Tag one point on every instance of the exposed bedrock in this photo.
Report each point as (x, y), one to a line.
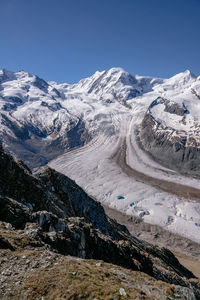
(31, 143)
(174, 148)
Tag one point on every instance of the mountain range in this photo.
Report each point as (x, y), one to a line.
(130, 141)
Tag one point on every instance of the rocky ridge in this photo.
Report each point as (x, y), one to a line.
(49, 212)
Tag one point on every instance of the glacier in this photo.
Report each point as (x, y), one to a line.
(89, 132)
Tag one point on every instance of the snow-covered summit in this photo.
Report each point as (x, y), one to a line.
(185, 76)
(17, 88)
(114, 84)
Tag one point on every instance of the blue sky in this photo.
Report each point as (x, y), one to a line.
(66, 40)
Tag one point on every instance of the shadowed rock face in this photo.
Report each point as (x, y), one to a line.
(30, 143)
(172, 148)
(40, 83)
(51, 212)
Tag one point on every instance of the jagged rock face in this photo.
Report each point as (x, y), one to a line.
(50, 211)
(165, 134)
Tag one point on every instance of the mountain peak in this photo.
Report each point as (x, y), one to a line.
(6, 75)
(189, 73)
(182, 78)
(116, 70)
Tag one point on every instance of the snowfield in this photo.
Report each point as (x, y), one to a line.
(110, 166)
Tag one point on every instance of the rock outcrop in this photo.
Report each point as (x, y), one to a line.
(170, 142)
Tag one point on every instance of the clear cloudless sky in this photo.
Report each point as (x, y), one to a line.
(66, 40)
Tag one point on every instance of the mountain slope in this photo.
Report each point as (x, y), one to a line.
(51, 213)
(34, 124)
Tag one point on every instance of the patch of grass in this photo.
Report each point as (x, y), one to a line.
(57, 281)
(170, 291)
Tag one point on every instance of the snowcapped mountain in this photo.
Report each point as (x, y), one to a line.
(34, 119)
(113, 84)
(40, 120)
(125, 139)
